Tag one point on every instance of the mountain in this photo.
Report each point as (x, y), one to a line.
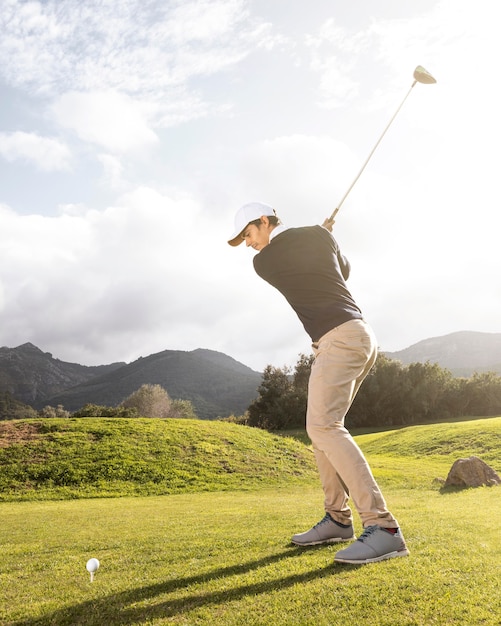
(216, 384)
(462, 353)
(32, 376)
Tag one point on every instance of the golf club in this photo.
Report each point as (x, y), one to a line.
(420, 76)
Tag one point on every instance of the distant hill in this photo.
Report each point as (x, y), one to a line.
(463, 353)
(32, 376)
(216, 384)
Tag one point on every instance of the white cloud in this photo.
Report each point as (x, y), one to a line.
(334, 54)
(301, 175)
(131, 46)
(203, 20)
(139, 277)
(116, 72)
(45, 153)
(113, 170)
(152, 271)
(108, 119)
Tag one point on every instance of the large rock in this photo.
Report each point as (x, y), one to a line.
(471, 472)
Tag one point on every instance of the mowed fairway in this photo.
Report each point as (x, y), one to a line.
(226, 558)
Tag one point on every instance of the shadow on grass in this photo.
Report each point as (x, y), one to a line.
(119, 608)
(448, 489)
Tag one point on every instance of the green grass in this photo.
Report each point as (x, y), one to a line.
(475, 437)
(224, 557)
(98, 457)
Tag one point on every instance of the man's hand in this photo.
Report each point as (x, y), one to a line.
(328, 223)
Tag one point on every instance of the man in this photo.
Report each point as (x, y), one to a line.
(306, 266)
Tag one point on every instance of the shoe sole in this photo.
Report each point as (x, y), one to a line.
(318, 543)
(384, 557)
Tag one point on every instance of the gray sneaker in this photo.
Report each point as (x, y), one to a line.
(326, 531)
(374, 544)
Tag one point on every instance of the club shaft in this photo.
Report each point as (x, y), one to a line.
(370, 155)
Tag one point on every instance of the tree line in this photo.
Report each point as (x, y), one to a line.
(147, 401)
(393, 394)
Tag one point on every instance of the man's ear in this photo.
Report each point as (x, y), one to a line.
(264, 220)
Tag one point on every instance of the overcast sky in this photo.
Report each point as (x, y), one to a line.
(131, 131)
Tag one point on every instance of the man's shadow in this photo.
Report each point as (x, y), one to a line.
(99, 612)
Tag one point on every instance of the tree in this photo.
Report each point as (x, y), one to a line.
(182, 408)
(282, 397)
(50, 411)
(269, 410)
(391, 395)
(11, 409)
(302, 372)
(379, 399)
(96, 410)
(427, 385)
(483, 394)
(300, 382)
(147, 401)
(150, 401)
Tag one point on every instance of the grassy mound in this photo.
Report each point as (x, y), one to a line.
(49, 459)
(480, 437)
(97, 457)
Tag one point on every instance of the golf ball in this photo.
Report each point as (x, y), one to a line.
(92, 565)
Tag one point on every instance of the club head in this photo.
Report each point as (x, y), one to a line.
(422, 76)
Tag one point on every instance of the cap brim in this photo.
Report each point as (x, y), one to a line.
(236, 241)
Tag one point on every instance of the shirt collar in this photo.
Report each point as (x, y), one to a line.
(277, 230)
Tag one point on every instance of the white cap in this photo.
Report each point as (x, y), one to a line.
(246, 214)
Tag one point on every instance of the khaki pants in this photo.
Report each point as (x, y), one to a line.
(343, 358)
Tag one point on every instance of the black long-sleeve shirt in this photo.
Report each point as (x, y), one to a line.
(307, 267)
